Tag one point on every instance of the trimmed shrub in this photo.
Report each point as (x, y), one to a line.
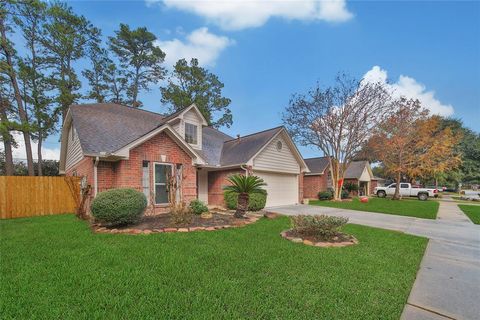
(118, 206)
(198, 207)
(256, 201)
(323, 227)
(350, 186)
(325, 195)
(328, 195)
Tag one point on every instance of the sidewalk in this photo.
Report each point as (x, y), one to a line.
(448, 281)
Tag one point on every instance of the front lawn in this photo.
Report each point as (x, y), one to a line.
(473, 212)
(405, 207)
(56, 268)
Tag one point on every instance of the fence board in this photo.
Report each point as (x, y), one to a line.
(36, 196)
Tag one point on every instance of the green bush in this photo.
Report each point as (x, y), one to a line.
(325, 195)
(323, 227)
(328, 195)
(350, 186)
(256, 201)
(198, 207)
(118, 206)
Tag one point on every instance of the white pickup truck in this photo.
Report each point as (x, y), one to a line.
(406, 190)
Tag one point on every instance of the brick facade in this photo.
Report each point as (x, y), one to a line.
(216, 181)
(313, 184)
(129, 173)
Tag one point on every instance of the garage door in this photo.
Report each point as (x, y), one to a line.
(282, 188)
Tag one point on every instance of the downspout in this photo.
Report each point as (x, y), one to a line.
(245, 169)
(95, 180)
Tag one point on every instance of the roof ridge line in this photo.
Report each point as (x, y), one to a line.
(315, 158)
(121, 105)
(251, 134)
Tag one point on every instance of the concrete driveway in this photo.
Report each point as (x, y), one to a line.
(448, 282)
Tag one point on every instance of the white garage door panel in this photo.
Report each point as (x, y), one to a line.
(282, 188)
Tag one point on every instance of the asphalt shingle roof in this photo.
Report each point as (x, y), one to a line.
(355, 169)
(212, 144)
(240, 150)
(106, 127)
(317, 165)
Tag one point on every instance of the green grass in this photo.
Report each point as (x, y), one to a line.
(56, 268)
(405, 207)
(473, 212)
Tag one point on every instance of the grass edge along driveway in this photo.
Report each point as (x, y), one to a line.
(472, 212)
(55, 267)
(405, 207)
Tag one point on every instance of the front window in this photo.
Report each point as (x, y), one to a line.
(191, 133)
(162, 174)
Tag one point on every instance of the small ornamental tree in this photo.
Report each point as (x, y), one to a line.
(244, 186)
(337, 120)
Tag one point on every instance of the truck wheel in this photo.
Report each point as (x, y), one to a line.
(422, 196)
(381, 194)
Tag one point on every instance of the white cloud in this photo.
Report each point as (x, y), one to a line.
(19, 151)
(239, 14)
(200, 44)
(410, 88)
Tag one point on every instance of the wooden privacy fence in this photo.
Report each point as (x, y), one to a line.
(38, 196)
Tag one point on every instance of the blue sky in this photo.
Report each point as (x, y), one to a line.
(265, 52)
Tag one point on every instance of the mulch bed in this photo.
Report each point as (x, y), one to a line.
(339, 240)
(163, 223)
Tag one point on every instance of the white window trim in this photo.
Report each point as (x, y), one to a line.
(185, 132)
(155, 184)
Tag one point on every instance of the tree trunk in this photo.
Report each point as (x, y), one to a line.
(396, 195)
(242, 205)
(9, 169)
(21, 111)
(39, 154)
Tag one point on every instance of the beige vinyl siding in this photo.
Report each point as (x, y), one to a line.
(365, 175)
(178, 127)
(193, 118)
(271, 159)
(74, 149)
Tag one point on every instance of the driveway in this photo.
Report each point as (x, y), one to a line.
(448, 282)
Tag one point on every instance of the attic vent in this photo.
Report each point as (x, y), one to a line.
(279, 145)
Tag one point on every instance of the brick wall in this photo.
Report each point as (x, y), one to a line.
(373, 185)
(216, 181)
(128, 173)
(313, 184)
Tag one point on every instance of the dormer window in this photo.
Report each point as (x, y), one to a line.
(191, 133)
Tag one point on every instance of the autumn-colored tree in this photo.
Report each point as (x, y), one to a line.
(411, 143)
(436, 149)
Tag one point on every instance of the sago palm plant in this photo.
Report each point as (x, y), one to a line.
(243, 186)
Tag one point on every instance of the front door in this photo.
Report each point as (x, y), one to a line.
(161, 174)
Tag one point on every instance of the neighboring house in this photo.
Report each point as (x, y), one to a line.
(319, 178)
(117, 146)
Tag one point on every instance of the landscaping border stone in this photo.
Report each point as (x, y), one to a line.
(322, 244)
(239, 223)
